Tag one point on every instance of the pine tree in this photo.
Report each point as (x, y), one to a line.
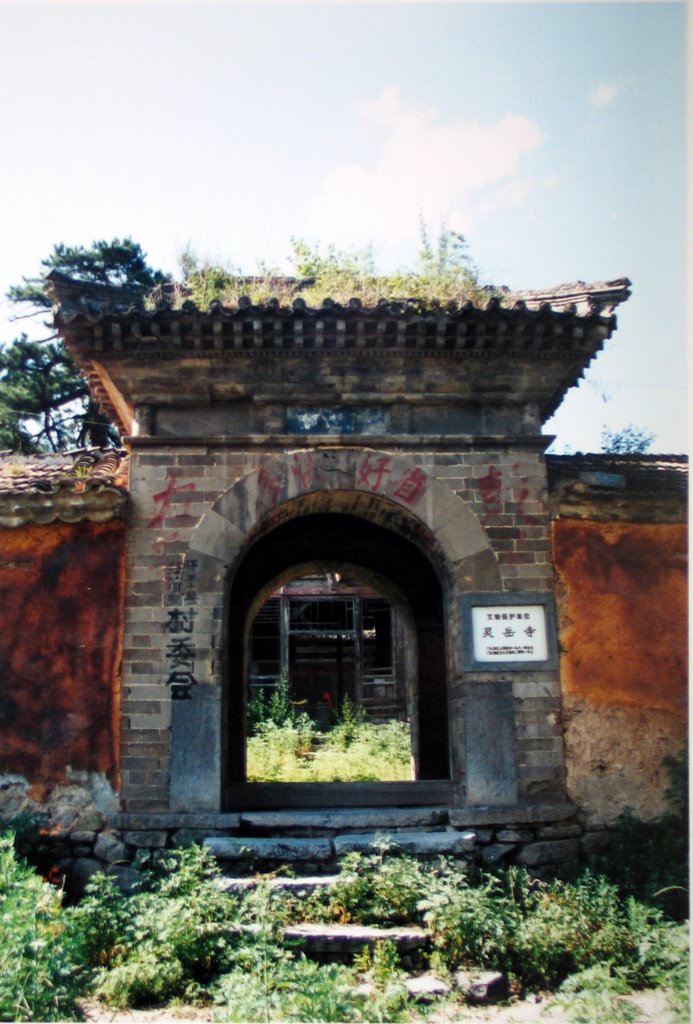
(45, 404)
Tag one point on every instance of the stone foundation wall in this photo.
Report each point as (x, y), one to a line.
(82, 832)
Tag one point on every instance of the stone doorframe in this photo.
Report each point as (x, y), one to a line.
(380, 487)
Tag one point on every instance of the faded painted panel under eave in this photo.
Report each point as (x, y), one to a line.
(61, 589)
(623, 612)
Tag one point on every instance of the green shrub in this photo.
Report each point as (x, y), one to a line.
(540, 932)
(662, 956)
(470, 924)
(568, 927)
(446, 276)
(378, 889)
(99, 924)
(354, 751)
(39, 979)
(166, 941)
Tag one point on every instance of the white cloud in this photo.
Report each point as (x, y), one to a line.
(604, 94)
(452, 172)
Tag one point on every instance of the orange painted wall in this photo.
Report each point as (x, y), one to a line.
(623, 612)
(61, 599)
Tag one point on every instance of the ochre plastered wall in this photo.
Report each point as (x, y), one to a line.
(622, 601)
(61, 591)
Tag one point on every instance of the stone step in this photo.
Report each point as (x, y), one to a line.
(319, 851)
(345, 940)
(343, 819)
(419, 844)
(282, 849)
(302, 886)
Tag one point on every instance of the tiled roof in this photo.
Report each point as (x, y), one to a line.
(638, 486)
(89, 483)
(545, 340)
(93, 302)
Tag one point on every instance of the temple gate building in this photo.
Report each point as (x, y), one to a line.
(357, 498)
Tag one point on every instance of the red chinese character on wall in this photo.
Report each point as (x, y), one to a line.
(164, 499)
(270, 484)
(302, 469)
(490, 487)
(372, 472)
(411, 486)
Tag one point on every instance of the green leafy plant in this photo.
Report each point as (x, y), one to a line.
(164, 942)
(349, 718)
(379, 889)
(39, 976)
(99, 924)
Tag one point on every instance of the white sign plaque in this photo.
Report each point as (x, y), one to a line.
(509, 633)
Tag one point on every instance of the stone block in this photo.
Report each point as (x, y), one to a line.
(483, 835)
(426, 988)
(483, 988)
(415, 843)
(78, 873)
(340, 939)
(559, 831)
(490, 742)
(108, 848)
(127, 878)
(514, 835)
(549, 852)
(508, 817)
(196, 750)
(495, 852)
(83, 836)
(352, 818)
(595, 843)
(275, 849)
(146, 839)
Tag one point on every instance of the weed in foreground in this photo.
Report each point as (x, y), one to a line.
(168, 941)
(39, 977)
(595, 994)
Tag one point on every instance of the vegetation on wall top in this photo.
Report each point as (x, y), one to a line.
(445, 276)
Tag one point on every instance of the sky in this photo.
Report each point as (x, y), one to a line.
(552, 135)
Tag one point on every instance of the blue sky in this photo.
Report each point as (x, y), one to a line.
(552, 135)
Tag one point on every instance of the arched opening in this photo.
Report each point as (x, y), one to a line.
(332, 664)
(402, 574)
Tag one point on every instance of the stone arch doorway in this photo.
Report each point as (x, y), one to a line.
(376, 511)
(327, 540)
